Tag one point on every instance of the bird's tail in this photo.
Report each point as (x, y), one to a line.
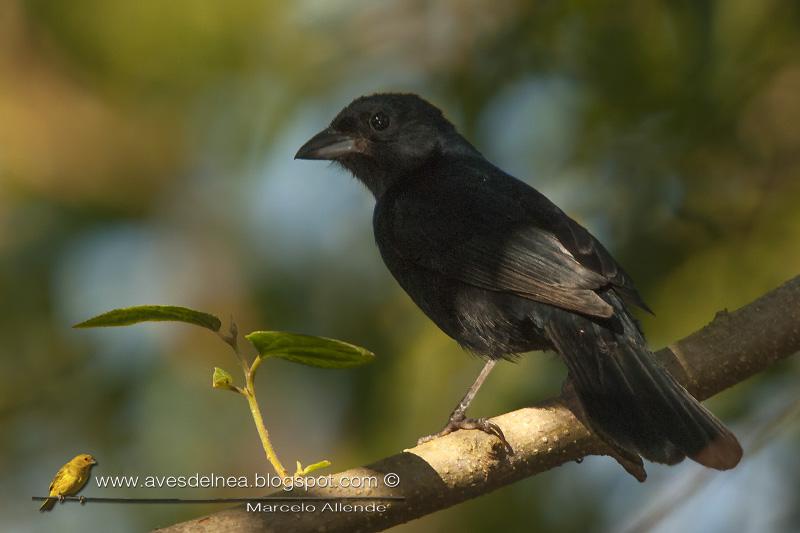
(48, 504)
(630, 398)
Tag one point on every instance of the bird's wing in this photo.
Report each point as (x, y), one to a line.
(474, 232)
(589, 252)
(58, 479)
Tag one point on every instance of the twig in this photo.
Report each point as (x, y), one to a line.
(467, 464)
(249, 393)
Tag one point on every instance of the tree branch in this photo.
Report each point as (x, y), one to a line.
(467, 464)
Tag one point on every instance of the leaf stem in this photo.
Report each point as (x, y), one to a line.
(249, 392)
(232, 339)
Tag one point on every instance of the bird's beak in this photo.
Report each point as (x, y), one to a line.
(328, 144)
(94, 462)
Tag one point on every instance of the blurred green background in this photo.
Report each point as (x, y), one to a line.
(146, 157)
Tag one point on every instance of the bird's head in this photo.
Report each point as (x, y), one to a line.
(382, 137)
(84, 459)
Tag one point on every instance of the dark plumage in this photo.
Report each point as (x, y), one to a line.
(502, 270)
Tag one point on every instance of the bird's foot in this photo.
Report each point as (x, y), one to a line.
(60, 498)
(82, 499)
(461, 422)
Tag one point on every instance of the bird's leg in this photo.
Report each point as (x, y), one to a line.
(458, 419)
(82, 499)
(460, 410)
(60, 498)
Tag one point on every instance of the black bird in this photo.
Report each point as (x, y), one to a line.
(502, 270)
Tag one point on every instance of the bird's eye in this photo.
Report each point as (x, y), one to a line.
(379, 121)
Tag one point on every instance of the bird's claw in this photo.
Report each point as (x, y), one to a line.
(462, 422)
(82, 499)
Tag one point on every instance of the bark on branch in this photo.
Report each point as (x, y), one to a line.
(467, 464)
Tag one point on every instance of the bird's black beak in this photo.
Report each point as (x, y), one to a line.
(328, 144)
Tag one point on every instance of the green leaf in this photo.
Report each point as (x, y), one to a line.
(152, 313)
(309, 350)
(222, 380)
(310, 468)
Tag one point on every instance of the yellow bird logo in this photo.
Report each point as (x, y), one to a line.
(69, 480)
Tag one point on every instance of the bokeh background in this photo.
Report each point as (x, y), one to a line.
(146, 157)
